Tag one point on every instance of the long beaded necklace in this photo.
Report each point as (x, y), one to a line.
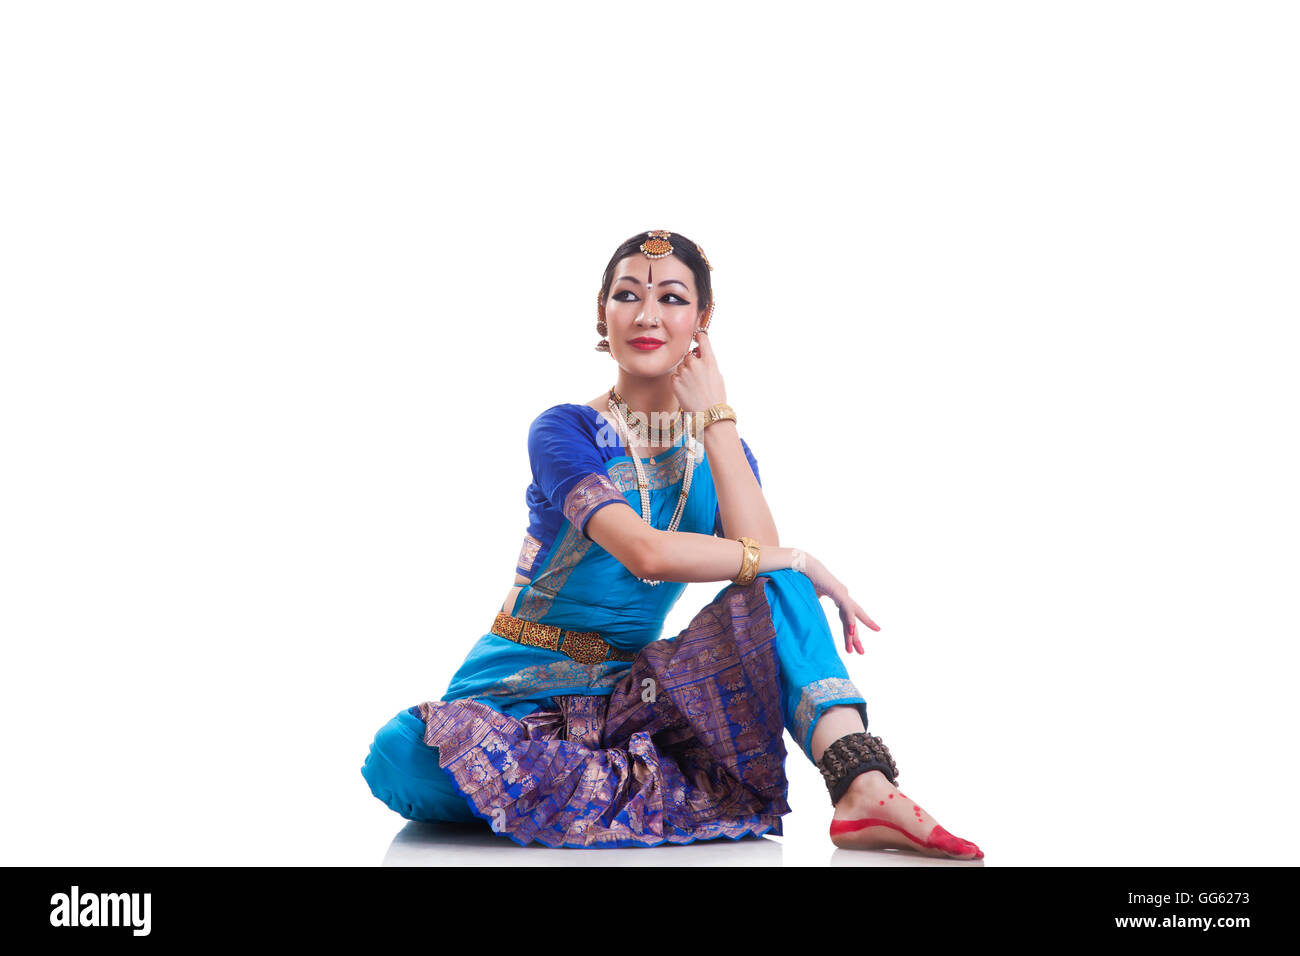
(642, 483)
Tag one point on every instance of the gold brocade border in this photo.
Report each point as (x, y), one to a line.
(528, 553)
(662, 474)
(587, 495)
(572, 547)
(813, 695)
(544, 678)
(569, 551)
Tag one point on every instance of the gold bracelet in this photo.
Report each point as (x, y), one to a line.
(714, 413)
(748, 563)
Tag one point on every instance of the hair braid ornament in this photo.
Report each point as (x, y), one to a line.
(708, 316)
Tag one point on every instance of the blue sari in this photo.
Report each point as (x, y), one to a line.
(532, 716)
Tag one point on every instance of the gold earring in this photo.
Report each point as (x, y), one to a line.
(601, 329)
(708, 316)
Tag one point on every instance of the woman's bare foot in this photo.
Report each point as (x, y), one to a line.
(876, 815)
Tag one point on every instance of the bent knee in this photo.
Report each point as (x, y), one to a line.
(399, 746)
(402, 772)
(789, 581)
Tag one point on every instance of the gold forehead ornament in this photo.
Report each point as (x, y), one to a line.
(657, 245)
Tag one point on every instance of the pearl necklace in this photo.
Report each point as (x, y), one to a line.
(643, 484)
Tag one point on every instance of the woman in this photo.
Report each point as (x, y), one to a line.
(571, 723)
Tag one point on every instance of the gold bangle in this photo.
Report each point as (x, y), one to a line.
(714, 413)
(748, 563)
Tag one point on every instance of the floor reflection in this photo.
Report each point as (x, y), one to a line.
(474, 844)
(893, 858)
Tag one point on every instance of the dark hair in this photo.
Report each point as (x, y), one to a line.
(683, 248)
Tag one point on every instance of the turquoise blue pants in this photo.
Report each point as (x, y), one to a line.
(403, 771)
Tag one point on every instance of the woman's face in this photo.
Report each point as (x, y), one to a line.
(652, 300)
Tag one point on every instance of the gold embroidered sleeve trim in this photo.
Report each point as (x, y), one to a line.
(588, 495)
(528, 553)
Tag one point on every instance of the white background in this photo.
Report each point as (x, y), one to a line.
(1007, 308)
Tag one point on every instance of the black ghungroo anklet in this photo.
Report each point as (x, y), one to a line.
(851, 755)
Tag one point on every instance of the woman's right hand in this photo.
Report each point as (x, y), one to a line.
(826, 584)
(697, 380)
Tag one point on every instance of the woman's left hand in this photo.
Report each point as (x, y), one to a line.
(697, 381)
(826, 584)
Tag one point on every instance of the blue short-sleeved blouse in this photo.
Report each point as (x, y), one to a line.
(570, 448)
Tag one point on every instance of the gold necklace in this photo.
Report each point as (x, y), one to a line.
(640, 428)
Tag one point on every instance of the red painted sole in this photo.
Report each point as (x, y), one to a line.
(940, 839)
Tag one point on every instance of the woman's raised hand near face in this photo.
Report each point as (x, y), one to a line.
(697, 381)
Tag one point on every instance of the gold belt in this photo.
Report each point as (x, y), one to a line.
(585, 647)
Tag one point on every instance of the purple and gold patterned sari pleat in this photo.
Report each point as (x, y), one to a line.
(687, 747)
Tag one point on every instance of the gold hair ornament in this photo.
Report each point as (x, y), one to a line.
(657, 245)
